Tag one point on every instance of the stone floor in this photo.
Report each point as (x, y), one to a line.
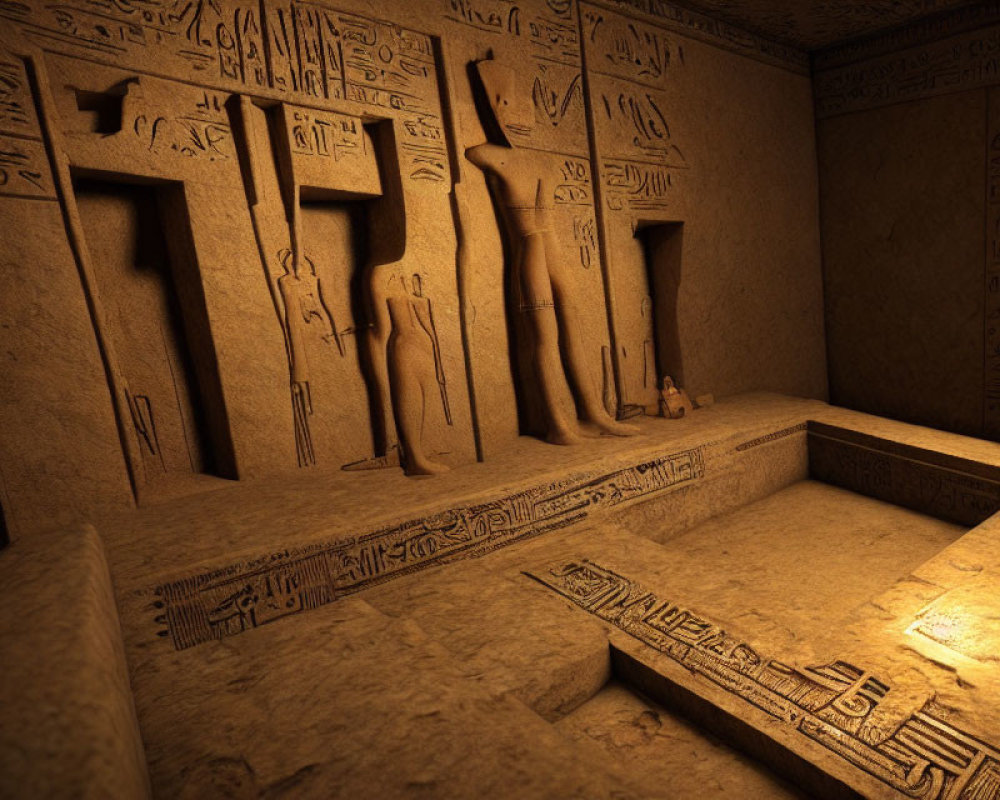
(471, 679)
(669, 756)
(802, 559)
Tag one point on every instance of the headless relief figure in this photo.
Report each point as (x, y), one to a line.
(402, 351)
(413, 378)
(540, 278)
(302, 299)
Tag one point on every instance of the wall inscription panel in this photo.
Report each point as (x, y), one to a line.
(331, 284)
(832, 705)
(248, 594)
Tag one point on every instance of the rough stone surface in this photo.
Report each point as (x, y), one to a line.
(671, 756)
(336, 428)
(68, 727)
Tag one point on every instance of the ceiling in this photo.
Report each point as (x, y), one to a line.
(814, 25)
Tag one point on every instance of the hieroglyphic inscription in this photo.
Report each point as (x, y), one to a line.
(574, 195)
(200, 129)
(325, 134)
(695, 25)
(387, 66)
(549, 28)
(921, 755)
(944, 487)
(915, 34)
(393, 68)
(627, 49)
(963, 62)
(24, 165)
(632, 68)
(228, 601)
(500, 16)
(635, 185)
(557, 97)
(220, 44)
(17, 110)
(24, 169)
(574, 187)
(304, 50)
(629, 65)
(991, 375)
(300, 51)
(639, 115)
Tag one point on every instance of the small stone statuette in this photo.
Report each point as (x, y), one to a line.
(674, 402)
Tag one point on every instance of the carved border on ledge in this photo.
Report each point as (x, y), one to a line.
(832, 706)
(958, 63)
(772, 437)
(695, 25)
(912, 34)
(946, 487)
(246, 595)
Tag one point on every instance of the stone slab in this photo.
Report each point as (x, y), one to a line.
(68, 727)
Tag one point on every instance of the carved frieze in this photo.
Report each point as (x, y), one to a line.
(248, 594)
(833, 705)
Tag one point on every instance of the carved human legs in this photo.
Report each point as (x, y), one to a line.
(376, 341)
(413, 380)
(536, 303)
(577, 359)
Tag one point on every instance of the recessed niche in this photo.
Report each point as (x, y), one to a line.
(150, 316)
(334, 338)
(662, 244)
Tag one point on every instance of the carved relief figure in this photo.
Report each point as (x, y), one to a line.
(333, 157)
(540, 280)
(302, 298)
(415, 374)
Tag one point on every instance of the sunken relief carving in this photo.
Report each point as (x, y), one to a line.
(293, 173)
(241, 596)
(136, 277)
(921, 754)
(291, 154)
(416, 375)
(329, 195)
(547, 326)
(340, 186)
(631, 67)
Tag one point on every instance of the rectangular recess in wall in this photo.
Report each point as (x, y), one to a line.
(157, 329)
(662, 243)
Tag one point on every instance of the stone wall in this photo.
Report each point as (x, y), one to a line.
(907, 140)
(245, 239)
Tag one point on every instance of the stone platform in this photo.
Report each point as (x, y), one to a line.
(812, 586)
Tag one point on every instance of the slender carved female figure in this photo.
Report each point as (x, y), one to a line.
(540, 280)
(413, 379)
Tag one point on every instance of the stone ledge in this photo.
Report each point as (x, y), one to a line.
(68, 727)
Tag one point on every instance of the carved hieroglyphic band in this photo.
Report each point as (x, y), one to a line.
(771, 437)
(243, 596)
(687, 22)
(955, 64)
(922, 755)
(943, 486)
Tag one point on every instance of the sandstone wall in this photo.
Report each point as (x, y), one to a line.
(908, 146)
(243, 239)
